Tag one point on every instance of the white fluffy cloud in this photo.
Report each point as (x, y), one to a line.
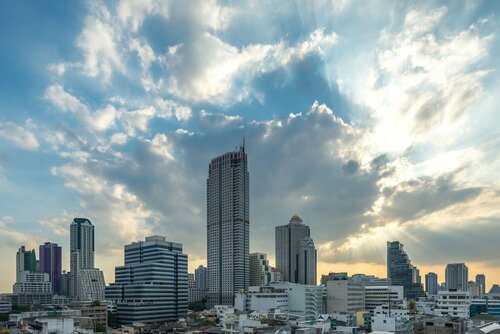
(19, 135)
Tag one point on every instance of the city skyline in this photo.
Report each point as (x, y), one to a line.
(381, 129)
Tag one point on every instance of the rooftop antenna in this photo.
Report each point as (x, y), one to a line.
(243, 144)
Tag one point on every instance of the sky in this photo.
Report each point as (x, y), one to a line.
(373, 121)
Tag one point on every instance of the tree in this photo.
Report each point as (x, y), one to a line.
(100, 328)
(412, 305)
(197, 306)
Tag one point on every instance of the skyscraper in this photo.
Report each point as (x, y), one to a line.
(481, 279)
(401, 271)
(456, 276)
(50, 263)
(25, 261)
(152, 286)
(81, 251)
(293, 244)
(431, 283)
(227, 226)
(306, 262)
(200, 275)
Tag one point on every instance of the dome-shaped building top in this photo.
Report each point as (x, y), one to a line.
(295, 219)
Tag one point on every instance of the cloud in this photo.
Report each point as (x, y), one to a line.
(206, 69)
(19, 135)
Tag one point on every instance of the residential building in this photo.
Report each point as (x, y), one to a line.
(152, 285)
(444, 325)
(96, 310)
(456, 276)
(32, 288)
(345, 296)
(228, 221)
(401, 271)
(393, 319)
(383, 295)
(91, 285)
(431, 284)
(261, 273)
(475, 289)
(25, 261)
(200, 277)
(303, 300)
(371, 280)
(294, 248)
(82, 246)
(51, 263)
(481, 279)
(262, 299)
(453, 303)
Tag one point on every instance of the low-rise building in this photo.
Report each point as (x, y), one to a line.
(262, 299)
(453, 303)
(391, 318)
(380, 295)
(491, 307)
(96, 310)
(444, 325)
(32, 288)
(345, 295)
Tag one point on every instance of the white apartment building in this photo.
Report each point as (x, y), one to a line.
(345, 296)
(453, 303)
(91, 285)
(262, 299)
(379, 295)
(304, 301)
(391, 319)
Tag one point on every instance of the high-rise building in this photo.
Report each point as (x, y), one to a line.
(306, 262)
(228, 221)
(25, 261)
(431, 284)
(402, 272)
(475, 290)
(456, 276)
(50, 263)
(200, 276)
(152, 286)
(82, 246)
(294, 244)
(481, 279)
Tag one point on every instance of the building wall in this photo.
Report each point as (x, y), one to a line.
(345, 296)
(152, 286)
(456, 276)
(380, 295)
(453, 303)
(227, 227)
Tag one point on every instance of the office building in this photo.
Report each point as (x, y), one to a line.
(345, 296)
(333, 276)
(32, 288)
(51, 263)
(453, 303)
(383, 295)
(25, 261)
(200, 276)
(481, 279)
(479, 306)
(294, 249)
(401, 271)
(195, 294)
(82, 246)
(456, 276)
(431, 284)
(228, 221)
(152, 285)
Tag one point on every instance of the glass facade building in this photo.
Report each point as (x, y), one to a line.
(51, 263)
(402, 272)
(152, 286)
